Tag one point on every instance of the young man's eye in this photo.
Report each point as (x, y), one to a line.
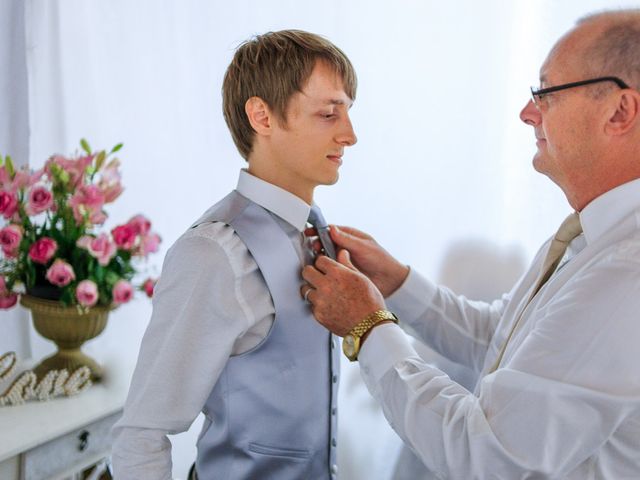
(328, 115)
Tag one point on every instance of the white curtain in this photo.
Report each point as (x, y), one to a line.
(442, 155)
(14, 139)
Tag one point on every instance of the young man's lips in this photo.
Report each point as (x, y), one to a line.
(335, 158)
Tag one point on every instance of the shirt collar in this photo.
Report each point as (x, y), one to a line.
(604, 212)
(284, 204)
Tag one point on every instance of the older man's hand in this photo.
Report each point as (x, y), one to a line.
(368, 257)
(340, 296)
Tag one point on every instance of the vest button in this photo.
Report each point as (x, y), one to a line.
(335, 378)
(334, 469)
(334, 443)
(334, 411)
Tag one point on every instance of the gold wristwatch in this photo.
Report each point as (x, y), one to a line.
(351, 341)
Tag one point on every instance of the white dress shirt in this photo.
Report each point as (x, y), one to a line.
(211, 302)
(565, 402)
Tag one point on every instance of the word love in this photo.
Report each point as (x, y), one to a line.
(27, 387)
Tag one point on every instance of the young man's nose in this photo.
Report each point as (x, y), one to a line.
(347, 136)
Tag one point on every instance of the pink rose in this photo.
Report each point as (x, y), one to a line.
(87, 202)
(100, 247)
(122, 292)
(60, 273)
(87, 293)
(124, 236)
(7, 299)
(8, 203)
(43, 250)
(10, 238)
(149, 244)
(140, 224)
(148, 286)
(40, 200)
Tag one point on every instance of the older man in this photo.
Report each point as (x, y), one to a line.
(558, 391)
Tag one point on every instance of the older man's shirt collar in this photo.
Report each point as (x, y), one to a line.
(607, 210)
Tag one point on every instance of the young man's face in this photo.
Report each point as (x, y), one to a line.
(307, 150)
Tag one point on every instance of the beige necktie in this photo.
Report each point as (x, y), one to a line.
(569, 230)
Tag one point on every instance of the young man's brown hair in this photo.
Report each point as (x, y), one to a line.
(273, 67)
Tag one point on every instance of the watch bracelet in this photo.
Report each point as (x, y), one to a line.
(372, 319)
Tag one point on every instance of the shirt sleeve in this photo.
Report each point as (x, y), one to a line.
(200, 310)
(457, 328)
(561, 396)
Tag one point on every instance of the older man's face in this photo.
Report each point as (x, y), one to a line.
(563, 121)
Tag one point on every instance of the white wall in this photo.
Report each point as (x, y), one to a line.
(441, 157)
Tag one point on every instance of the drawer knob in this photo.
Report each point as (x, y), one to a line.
(84, 440)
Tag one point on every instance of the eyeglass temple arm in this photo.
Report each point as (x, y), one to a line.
(542, 91)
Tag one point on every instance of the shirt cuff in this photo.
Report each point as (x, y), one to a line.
(412, 298)
(385, 346)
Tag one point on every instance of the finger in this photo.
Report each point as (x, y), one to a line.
(345, 259)
(305, 291)
(312, 275)
(324, 264)
(352, 232)
(346, 238)
(310, 232)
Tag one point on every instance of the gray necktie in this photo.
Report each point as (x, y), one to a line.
(316, 219)
(569, 230)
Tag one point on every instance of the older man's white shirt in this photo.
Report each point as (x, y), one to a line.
(565, 402)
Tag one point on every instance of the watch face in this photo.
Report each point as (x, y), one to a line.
(349, 345)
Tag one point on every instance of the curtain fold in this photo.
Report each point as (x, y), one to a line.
(14, 139)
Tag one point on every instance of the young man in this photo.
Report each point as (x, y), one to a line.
(558, 390)
(229, 335)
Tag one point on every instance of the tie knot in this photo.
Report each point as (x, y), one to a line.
(316, 218)
(569, 229)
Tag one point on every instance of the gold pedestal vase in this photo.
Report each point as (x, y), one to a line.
(68, 328)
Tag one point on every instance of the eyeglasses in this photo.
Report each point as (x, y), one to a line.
(538, 93)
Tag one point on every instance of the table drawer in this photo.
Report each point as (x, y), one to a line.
(70, 452)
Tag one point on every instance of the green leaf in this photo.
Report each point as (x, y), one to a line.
(30, 275)
(9, 165)
(67, 296)
(98, 272)
(85, 146)
(100, 159)
(111, 278)
(116, 148)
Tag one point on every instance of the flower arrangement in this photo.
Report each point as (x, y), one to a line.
(51, 247)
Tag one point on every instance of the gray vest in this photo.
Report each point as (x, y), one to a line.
(273, 412)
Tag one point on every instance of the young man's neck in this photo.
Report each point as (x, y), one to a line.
(270, 175)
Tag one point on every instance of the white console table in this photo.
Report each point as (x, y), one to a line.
(62, 437)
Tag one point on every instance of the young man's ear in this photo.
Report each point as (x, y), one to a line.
(626, 114)
(259, 115)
